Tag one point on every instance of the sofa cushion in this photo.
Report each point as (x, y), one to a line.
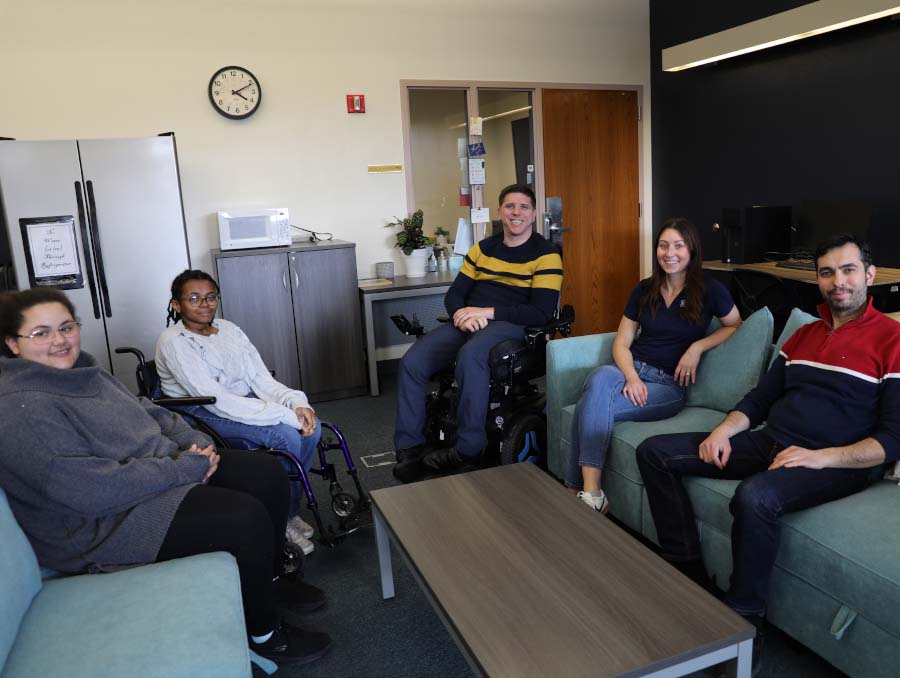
(20, 578)
(795, 321)
(845, 547)
(731, 369)
(181, 618)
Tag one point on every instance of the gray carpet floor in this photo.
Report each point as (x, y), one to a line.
(403, 637)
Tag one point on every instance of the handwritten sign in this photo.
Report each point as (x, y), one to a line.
(51, 250)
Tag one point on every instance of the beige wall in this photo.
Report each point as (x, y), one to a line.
(118, 68)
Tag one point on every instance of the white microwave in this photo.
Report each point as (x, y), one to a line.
(242, 229)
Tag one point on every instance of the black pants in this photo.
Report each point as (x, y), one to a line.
(242, 510)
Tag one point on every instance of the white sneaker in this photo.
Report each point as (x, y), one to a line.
(596, 499)
(293, 535)
(304, 527)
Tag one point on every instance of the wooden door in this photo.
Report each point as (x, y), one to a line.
(327, 320)
(591, 162)
(256, 296)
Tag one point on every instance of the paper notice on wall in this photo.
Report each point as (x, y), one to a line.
(461, 147)
(481, 215)
(476, 171)
(465, 196)
(476, 150)
(475, 126)
(463, 171)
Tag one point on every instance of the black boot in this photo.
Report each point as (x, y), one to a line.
(450, 461)
(408, 468)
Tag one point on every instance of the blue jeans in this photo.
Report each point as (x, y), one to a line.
(278, 437)
(434, 352)
(602, 404)
(758, 503)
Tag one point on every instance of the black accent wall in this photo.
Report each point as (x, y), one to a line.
(815, 119)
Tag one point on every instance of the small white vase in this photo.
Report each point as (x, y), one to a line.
(417, 263)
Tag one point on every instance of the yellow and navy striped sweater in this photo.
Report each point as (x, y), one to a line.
(521, 283)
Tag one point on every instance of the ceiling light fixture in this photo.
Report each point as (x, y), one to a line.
(795, 24)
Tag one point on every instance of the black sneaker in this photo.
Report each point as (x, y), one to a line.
(295, 645)
(758, 642)
(449, 461)
(408, 468)
(295, 594)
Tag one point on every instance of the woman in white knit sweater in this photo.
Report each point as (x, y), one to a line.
(204, 355)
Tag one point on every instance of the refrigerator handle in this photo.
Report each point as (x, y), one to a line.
(86, 249)
(98, 250)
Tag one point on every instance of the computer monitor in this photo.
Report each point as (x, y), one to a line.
(822, 219)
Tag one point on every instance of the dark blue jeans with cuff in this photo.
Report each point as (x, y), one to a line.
(757, 505)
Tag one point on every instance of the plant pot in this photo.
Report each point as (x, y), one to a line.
(417, 263)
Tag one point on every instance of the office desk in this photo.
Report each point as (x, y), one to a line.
(402, 287)
(885, 290)
(883, 276)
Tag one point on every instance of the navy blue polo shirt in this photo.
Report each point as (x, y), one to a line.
(665, 338)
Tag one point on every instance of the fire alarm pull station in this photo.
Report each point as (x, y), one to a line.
(356, 103)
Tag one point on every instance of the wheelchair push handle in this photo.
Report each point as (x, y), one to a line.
(410, 329)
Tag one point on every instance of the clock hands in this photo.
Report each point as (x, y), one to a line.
(238, 92)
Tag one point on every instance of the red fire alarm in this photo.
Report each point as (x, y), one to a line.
(356, 103)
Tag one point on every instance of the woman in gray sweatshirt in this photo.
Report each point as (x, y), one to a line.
(100, 480)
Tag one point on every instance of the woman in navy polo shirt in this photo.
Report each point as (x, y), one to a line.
(672, 309)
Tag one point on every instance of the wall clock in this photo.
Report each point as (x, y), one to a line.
(235, 92)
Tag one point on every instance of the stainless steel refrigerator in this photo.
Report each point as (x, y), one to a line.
(103, 220)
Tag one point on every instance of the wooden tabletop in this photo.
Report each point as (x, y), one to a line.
(533, 582)
(402, 283)
(883, 276)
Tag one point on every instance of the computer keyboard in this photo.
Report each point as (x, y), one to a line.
(799, 264)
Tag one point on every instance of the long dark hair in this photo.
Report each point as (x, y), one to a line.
(14, 304)
(693, 283)
(173, 316)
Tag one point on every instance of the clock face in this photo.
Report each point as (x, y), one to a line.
(235, 92)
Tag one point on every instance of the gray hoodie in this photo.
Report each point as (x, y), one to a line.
(94, 475)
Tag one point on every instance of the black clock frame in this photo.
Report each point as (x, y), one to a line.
(232, 116)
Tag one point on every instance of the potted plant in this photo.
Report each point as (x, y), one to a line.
(441, 236)
(414, 243)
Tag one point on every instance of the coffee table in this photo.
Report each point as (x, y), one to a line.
(531, 582)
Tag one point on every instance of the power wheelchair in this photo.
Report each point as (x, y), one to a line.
(351, 510)
(516, 423)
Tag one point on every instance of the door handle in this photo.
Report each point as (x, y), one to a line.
(86, 249)
(284, 280)
(98, 250)
(296, 278)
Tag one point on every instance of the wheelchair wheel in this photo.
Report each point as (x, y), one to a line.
(343, 505)
(525, 440)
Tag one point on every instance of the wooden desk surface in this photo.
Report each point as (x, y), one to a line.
(535, 583)
(883, 276)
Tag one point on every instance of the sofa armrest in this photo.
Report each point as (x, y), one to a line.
(569, 361)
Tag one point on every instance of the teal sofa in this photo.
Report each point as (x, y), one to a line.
(836, 585)
(179, 619)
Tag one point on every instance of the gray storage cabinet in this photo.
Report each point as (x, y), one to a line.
(299, 306)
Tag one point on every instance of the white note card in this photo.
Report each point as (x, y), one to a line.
(481, 215)
(476, 170)
(475, 126)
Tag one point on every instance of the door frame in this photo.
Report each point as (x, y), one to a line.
(471, 87)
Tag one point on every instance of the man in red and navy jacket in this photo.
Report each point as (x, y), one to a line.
(831, 407)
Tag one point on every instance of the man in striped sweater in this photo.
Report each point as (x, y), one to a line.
(831, 407)
(507, 282)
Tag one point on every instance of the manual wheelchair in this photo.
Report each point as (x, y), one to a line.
(516, 423)
(351, 510)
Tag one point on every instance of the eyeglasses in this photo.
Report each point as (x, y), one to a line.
(197, 300)
(44, 335)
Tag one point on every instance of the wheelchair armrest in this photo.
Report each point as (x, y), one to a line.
(561, 325)
(138, 353)
(185, 401)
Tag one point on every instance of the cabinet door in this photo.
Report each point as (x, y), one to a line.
(256, 296)
(326, 315)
